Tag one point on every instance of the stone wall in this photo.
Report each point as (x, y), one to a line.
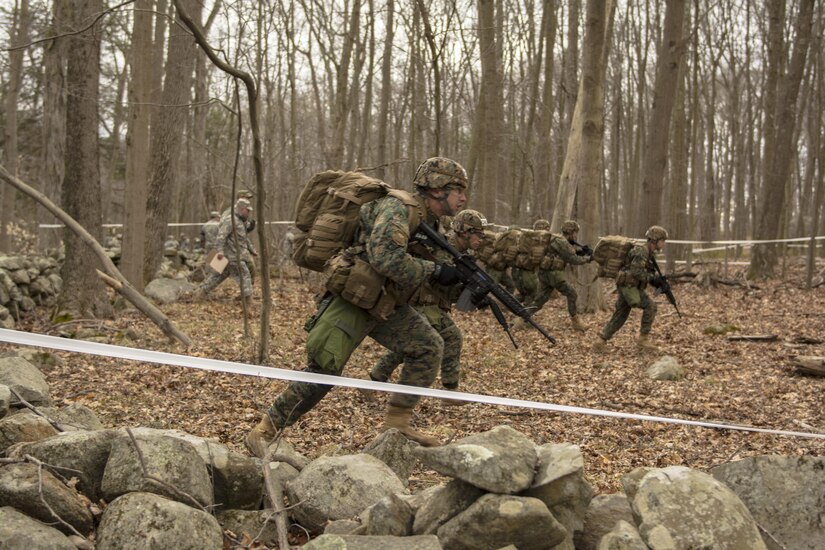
(27, 282)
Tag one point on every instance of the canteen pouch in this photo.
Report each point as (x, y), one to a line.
(364, 286)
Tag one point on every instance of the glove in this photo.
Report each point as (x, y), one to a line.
(445, 274)
(250, 225)
(659, 281)
(584, 251)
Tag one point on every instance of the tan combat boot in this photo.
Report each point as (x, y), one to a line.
(399, 418)
(577, 324)
(258, 439)
(644, 343)
(600, 345)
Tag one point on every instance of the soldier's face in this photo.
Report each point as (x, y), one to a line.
(659, 245)
(476, 240)
(456, 200)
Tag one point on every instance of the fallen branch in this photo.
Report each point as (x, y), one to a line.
(126, 289)
(275, 490)
(56, 425)
(753, 338)
(43, 498)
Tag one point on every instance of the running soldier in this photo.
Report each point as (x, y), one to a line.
(634, 276)
(338, 327)
(225, 246)
(434, 302)
(561, 253)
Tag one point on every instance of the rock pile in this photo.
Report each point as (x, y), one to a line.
(27, 282)
(66, 481)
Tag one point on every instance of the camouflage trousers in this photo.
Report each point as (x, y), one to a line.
(630, 297)
(243, 277)
(526, 284)
(338, 331)
(441, 321)
(555, 280)
(502, 278)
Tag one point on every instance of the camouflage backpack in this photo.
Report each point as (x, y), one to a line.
(610, 253)
(532, 247)
(327, 211)
(506, 247)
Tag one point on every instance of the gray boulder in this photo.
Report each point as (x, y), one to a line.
(21, 485)
(559, 483)
(342, 527)
(174, 461)
(237, 479)
(84, 452)
(666, 368)
(785, 495)
(145, 520)
(5, 400)
(501, 460)
(396, 451)
(23, 426)
(165, 291)
(73, 417)
(339, 487)
(24, 378)
(677, 507)
(623, 536)
(45, 361)
(494, 521)
(282, 473)
(258, 524)
(357, 542)
(444, 504)
(601, 517)
(17, 530)
(389, 516)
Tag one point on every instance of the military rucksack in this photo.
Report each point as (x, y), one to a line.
(610, 253)
(327, 212)
(532, 246)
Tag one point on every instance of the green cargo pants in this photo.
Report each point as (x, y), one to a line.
(630, 297)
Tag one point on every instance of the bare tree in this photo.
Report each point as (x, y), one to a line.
(83, 292)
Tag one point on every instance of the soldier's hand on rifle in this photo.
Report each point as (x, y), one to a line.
(659, 281)
(446, 275)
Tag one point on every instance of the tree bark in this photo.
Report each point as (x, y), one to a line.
(83, 292)
(779, 150)
(166, 141)
(21, 21)
(386, 92)
(658, 132)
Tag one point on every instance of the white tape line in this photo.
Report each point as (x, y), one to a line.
(216, 365)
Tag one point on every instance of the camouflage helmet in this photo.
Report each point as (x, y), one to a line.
(655, 233)
(541, 225)
(244, 194)
(243, 203)
(440, 172)
(214, 214)
(469, 220)
(570, 227)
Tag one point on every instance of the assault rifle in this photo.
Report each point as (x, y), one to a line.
(584, 250)
(662, 286)
(479, 285)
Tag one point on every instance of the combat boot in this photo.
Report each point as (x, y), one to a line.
(577, 324)
(399, 418)
(644, 343)
(600, 345)
(258, 439)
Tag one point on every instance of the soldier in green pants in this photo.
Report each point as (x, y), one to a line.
(339, 326)
(634, 276)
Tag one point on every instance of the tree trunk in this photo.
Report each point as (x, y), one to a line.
(83, 292)
(342, 95)
(583, 162)
(54, 119)
(779, 150)
(658, 130)
(21, 22)
(166, 140)
(386, 91)
(545, 175)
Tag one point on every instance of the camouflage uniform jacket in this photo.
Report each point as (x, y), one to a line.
(209, 234)
(384, 234)
(431, 293)
(225, 240)
(637, 270)
(561, 248)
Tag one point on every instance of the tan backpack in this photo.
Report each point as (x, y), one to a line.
(327, 213)
(610, 253)
(532, 246)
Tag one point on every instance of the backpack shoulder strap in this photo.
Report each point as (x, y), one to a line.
(413, 206)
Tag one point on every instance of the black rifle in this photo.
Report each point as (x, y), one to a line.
(480, 285)
(584, 250)
(662, 286)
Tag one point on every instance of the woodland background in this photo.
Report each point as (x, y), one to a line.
(703, 116)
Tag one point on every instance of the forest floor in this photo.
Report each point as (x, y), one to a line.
(744, 383)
